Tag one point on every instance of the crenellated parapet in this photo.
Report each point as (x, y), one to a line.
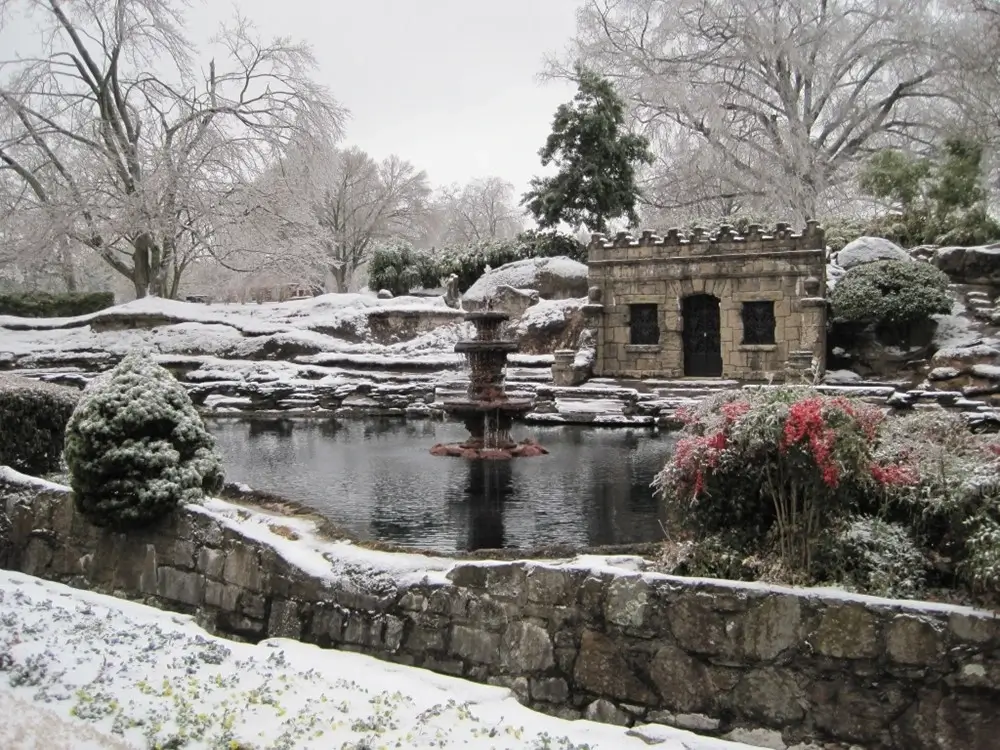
(726, 241)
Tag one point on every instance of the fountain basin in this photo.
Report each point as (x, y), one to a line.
(468, 406)
(478, 347)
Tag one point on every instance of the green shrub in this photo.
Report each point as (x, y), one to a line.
(549, 244)
(787, 483)
(772, 468)
(839, 232)
(890, 294)
(399, 268)
(136, 447)
(954, 509)
(936, 201)
(469, 262)
(874, 556)
(33, 418)
(46, 305)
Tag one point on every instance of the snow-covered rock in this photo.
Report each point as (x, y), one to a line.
(868, 250)
(553, 278)
(550, 325)
(841, 377)
(970, 265)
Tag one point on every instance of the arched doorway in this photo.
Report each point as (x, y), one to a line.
(702, 342)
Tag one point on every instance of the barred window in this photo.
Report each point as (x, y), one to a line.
(644, 324)
(758, 322)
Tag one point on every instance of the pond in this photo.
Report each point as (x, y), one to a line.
(378, 479)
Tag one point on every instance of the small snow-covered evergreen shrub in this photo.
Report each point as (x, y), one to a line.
(890, 294)
(136, 447)
(33, 417)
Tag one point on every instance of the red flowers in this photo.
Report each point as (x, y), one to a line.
(836, 438)
(807, 424)
(733, 410)
(894, 474)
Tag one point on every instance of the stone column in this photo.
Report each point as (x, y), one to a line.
(812, 312)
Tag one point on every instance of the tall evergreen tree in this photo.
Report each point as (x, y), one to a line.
(596, 158)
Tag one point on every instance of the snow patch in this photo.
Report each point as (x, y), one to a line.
(113, 667)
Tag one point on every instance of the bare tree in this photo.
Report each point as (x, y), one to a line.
(341, 203)
(805, 86)
(483, 209)
(115, 130)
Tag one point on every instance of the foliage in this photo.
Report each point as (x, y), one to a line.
(954, 510)
(46, 305)
(136, 447)
(469, 261)
(875, 556)
(834, 491)
(549, 244)
(596, 160)
(774, 463)
(934, 201)
(399, 268)
(839, 231)
(890, 294)
(33, 417)
(896, 177)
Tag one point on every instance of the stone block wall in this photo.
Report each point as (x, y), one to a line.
(780, 668)
(782, 267)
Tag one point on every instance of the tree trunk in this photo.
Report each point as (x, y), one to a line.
(66, 265)
(337, 278)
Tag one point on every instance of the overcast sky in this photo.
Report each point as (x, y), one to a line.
(448, 84)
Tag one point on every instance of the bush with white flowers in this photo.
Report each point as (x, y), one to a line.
(136, 447)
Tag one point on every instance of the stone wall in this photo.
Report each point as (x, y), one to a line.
(775, 667)
(783, 268)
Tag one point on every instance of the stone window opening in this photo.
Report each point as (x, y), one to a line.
(644, 324)
(758, 323)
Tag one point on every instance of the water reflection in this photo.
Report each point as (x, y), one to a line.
(378, 479)
(490, 484)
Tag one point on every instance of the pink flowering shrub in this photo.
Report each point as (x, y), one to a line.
(776, 464)
(832, 489)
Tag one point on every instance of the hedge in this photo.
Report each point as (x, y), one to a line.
(33, 418)
(47, 305)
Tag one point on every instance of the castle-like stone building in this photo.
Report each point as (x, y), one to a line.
(748, 307)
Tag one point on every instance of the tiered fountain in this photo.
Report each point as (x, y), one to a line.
(487, 412)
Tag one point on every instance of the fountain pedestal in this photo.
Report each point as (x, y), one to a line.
(487, 412)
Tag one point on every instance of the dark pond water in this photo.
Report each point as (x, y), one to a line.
(377, 479)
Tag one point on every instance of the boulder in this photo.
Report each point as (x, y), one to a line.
(868, 250)
(550, 325)
(513, 301)
(553, 278)
(970, 265)
(963, 358)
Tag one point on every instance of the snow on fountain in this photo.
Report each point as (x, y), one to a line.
(487, 412)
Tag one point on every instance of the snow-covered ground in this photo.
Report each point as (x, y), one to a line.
(235, 331)
(83, 671)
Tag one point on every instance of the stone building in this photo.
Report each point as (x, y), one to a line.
(726, 306)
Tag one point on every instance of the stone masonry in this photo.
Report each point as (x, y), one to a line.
(782, 271)
(779, 668)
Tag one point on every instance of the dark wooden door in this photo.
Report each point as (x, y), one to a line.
(702, 344)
